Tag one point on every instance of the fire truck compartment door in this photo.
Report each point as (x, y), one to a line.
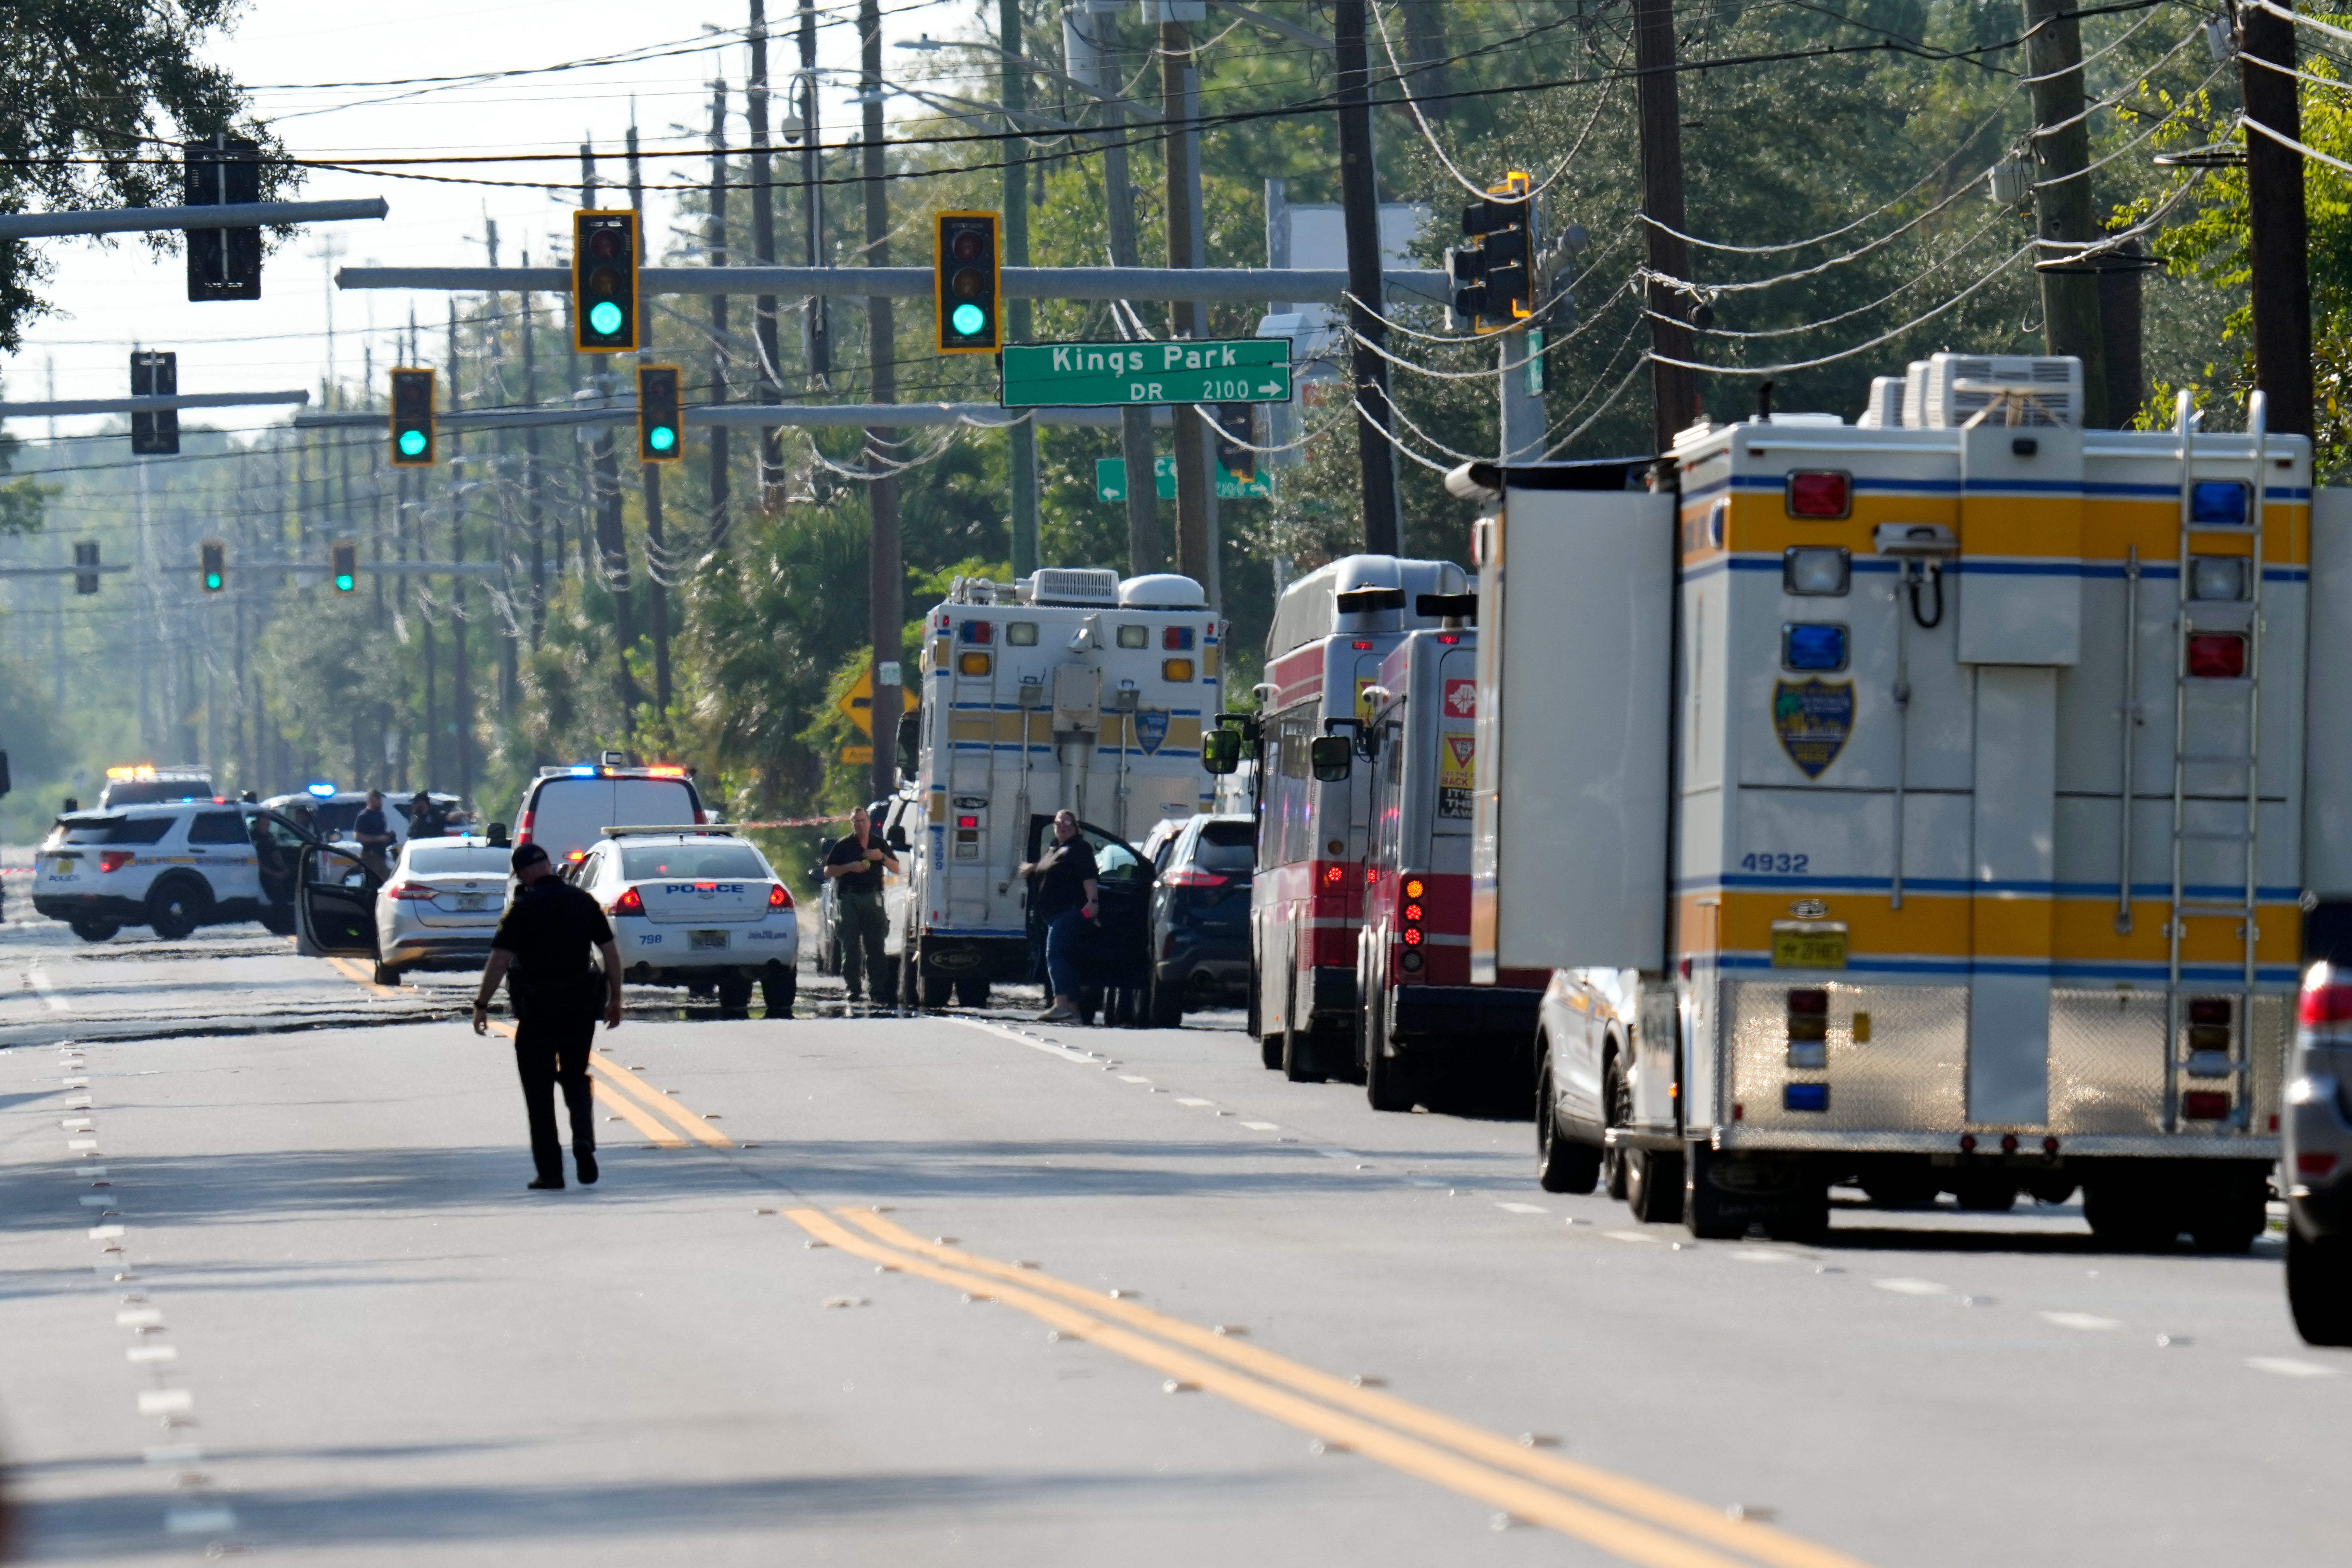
(1077, 699)
(2021, 566)
(2327, 739)
(1567, 863)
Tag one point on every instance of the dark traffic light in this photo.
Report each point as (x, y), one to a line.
(412, 418)
(86, 555)
(604, 281)
(1492, 277)
(223, 263)
(345, 558)
(967, 284)
(1237, 426)
(154, 373)
(661, 434)
(212, 556)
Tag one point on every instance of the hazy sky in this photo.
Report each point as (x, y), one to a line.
(110, 297)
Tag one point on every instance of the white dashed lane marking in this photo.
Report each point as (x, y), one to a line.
(2085, 1321)
(1913, 1287)
(2285, 1366)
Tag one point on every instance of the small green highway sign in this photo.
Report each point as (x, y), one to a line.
(1175, 370)
(1110, 480)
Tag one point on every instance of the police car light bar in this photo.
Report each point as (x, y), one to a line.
(716, 829)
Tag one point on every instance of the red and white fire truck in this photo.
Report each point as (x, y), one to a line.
(1331, 630)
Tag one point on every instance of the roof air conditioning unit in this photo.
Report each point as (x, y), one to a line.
(2049, 388)
(1073, 585)
(1884, 409)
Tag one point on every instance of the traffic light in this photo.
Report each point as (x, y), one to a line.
(660, 433)
(154, 373)
(345, 558)
(412, 418)
(86, 555)
(1238, 420)
(1493, 283)
(967, 284)
(212, 556)
(604, 281)
(223, 263)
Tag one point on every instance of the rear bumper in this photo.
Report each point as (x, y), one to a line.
(90, 907)
(1456, 1010)
(434, 949)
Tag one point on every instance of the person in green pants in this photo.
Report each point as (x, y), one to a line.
(856, 863)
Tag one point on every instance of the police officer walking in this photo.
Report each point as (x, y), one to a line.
(542, 952)
(856, 864)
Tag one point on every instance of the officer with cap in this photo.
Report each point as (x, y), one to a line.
(542, 952)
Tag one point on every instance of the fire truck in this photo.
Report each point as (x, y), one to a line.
(1332, 628)
(1069, 690)
(1923, 804)
(1424, 1033)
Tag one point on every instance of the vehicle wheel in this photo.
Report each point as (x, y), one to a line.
(177, 906)
(1387, 1085)
(387, 974)
(1986, 1194)
(1298, 1063)
(1902, 1189)
(1618, 1095)
(2319, 1288)
(734, 997)
(95, 931)
(1653, 1186)
(935, 989)
(1167, 1004)
(1251, 1021)
(1708, 1209)
(2231, 1216)
(274, 919)
(1562, 1164)
(972, 993)
(1269, 1052)
(2122, 1216)
(1803, 1218)
(778, 989)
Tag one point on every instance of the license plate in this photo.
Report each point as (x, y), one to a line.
(701, 939)
(473, 900)
(1796, 948)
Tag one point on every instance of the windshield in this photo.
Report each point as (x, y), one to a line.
(453, 861)
(116, 830)
(735, 862)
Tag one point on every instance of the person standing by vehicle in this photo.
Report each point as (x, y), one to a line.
(1064, 898)
(856, 864)
(425, 818)
(545, 939)
(375, 837)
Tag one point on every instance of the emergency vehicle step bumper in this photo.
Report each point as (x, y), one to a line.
(1467, 1010)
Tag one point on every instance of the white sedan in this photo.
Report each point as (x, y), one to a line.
(441, 907)
(696, 907)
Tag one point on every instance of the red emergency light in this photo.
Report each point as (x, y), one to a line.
(1332, 875)
(667, 771)
(2325, 999)
(2217, 656)
(1820, 494)
(2205, 1105)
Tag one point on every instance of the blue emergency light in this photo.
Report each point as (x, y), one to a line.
(322, 791)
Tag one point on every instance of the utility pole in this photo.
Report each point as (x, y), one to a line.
(714, 251)
(1674, 391)
(1195, 482)
(1014, 79)
(2277, 228)
(2063, 216)
(657, 545)
(764, 241)
(612, 544)
(532, 520)
(885, 593)
(816, 330)
(1360, 195)
(461, 686)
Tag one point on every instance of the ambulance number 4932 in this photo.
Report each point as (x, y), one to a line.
(1787, 865)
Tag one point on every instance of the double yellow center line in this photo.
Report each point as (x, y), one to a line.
(634, 1102)
(1629, 1519)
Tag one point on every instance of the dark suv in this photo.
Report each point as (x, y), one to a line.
(1199, 917)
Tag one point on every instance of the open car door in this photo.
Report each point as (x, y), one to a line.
(1116, 954)
(331, 891)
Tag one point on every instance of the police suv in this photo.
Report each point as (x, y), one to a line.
(170, 867)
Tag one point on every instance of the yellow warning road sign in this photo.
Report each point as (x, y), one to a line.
(858, 704)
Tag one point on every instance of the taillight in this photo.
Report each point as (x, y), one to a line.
(2217, 656)
(115, 859)
(522, 828)
(1193, 877)
(1809, 1036)
(1820, 495)
(1332, 875)
(2325, 999)
(407, 891)
(2205, 1105)
(2315, 1163)
(778, 898)
(629, 903)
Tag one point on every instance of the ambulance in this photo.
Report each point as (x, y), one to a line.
(1923, 804)
(1070, 690)
(1332, 629)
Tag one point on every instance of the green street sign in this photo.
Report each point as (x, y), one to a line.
(1110, 482)
(1175, 371)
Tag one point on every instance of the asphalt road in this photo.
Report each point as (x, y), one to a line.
(966, 1289)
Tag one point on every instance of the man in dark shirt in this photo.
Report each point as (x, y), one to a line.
(856, 864)
(545, 938)
(374, 835)
(425, 818)
(1062, 892)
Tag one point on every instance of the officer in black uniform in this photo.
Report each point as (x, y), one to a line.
(544, 939)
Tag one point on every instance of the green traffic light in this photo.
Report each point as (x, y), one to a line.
(412, 443)
(212, 582)
(969, 321)
(343, 582)
(605, 319)
(661, 437)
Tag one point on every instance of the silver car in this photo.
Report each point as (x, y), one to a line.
(2316, 1159)
(441, 906)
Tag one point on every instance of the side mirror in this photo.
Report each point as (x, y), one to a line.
(897, 838)
(1221, 750)
(1332, 757)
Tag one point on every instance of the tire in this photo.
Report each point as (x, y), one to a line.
(1706, 1208)
(1562, 1164)
(734, 995)
(177, 906)
(1986, 1194)
(1269, 1052)
(2231, 1216)
(1653, 1186)
(1167, 1004)
(972, 993)
(1387, 1085)
(2121, 1217)
(387, 974)
(275, 920)
(935, 989)
(778, 990)
(1617, 1095)
(94, 931)
(1803, 1218)
(1298, 1063)
(2319, 1288)
(1902, 1190)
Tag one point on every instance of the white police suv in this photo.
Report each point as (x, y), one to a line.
(696, 906)
(171, 867)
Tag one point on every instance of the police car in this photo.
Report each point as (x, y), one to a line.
(172, 867)
(696, 906)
